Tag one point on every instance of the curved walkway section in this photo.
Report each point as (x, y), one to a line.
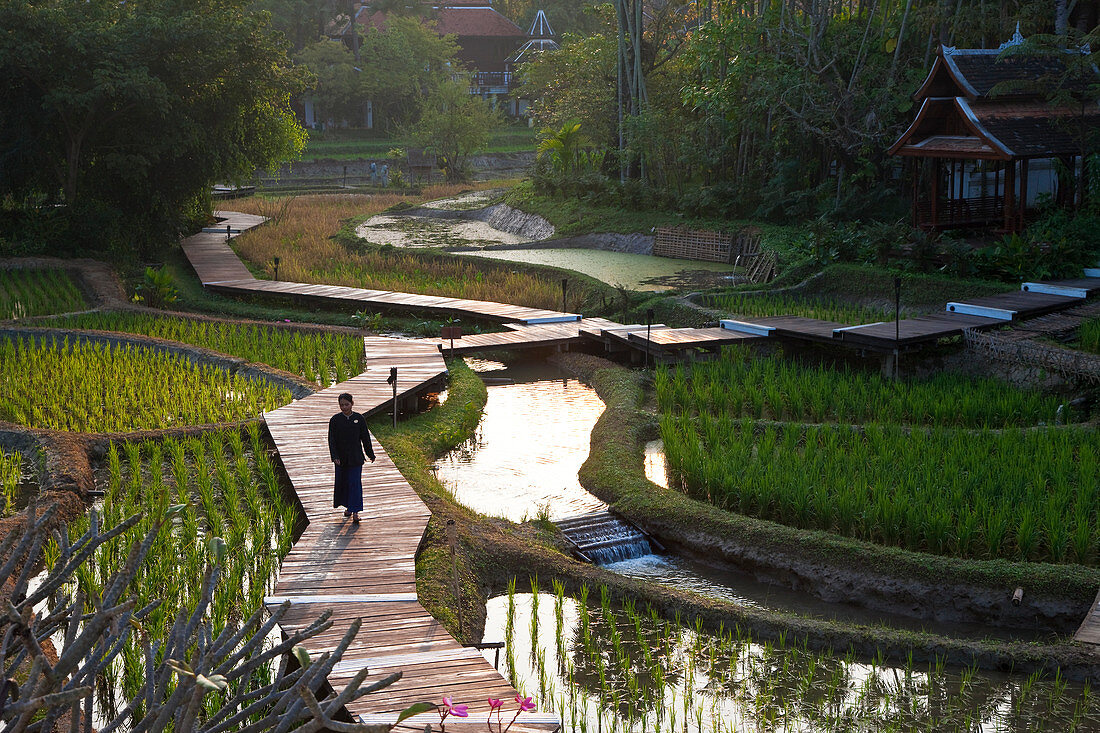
(366, 571)
(219, 268)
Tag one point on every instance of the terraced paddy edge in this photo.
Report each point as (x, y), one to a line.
(1056, 597)
(368, 570)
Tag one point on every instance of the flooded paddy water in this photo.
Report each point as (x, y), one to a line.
(604, 668)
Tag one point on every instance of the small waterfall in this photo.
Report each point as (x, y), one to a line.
(604, 538)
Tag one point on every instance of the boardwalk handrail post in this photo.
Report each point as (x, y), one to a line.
(392, 379)
(648, 325)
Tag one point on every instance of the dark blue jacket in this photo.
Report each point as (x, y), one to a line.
(348, 439)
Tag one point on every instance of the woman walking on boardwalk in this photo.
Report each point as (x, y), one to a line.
(349, 446)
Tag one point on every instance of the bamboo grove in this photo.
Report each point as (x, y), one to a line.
(323, 358)
(608, 667)
(33, 292)
(951, 466)
(223, 488)
(91, 387)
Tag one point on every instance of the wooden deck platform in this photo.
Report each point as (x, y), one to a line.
(913, 331)
(367, 571)
(666, 342)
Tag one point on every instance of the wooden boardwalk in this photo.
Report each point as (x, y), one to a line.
(219, 268)
(367, 571)
(1089, 633)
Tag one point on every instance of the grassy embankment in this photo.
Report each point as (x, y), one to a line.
(368, 144)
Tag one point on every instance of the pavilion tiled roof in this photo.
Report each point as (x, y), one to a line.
(977, 104)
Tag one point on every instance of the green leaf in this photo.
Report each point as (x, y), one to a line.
(416, 709)
(301, 655)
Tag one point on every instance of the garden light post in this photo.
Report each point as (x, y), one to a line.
(392, 379)
(897, 322)
(648, 326)
(275, 260)
(564, 285)
(228, 232)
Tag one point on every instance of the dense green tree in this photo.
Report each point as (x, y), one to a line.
(403, 64)
(453, 124)
(778, 107)
(339, 88)
(116, 117)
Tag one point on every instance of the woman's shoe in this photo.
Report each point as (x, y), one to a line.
(355, 518)
(347, 513)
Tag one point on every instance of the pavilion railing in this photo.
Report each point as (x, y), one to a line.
(960, 212)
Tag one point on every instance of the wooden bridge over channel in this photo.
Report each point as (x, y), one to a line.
(367, 571)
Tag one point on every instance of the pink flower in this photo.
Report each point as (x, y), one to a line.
(459, 711)
(494, 705)
(525, 703)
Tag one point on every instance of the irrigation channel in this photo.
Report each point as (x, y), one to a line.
(628, 670)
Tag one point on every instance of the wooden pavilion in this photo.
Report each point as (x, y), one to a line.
(984, 123)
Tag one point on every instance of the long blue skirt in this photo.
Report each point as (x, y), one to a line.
(347, 491)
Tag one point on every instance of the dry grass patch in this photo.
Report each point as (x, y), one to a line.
(302, 237)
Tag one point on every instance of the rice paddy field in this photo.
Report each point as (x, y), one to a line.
(1089, 336)
(610, 668)
(322, 358)
(302, 237)
(221, 485)
(951, 470)
(742, 384)
(92, 387)
(37, 292)
(752, 305)
(11, 475)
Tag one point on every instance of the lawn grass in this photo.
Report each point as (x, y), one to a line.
(574, 216)
(370, 144)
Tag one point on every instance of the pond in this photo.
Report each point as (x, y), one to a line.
(605, 668)
(631, 271)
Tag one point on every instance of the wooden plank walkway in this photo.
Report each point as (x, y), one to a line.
(913, 331)
(367, 571)
(1089, 633)
(219, 268)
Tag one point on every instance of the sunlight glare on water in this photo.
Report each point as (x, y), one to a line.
(530, 444)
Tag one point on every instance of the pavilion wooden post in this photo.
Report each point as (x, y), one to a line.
(1023, 191)
(934, 212)
(1010, 196)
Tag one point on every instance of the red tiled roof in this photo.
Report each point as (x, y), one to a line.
(467, 18)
